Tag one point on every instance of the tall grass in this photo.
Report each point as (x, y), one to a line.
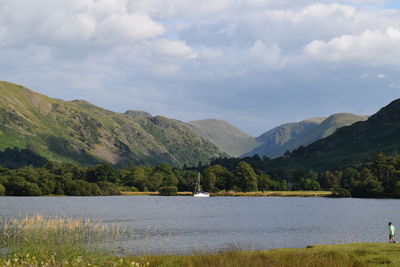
(60, 241)
(55, 230)
(56, 239)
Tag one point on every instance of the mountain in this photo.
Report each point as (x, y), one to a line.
(290, 136)
(82, 132)
(352, 144)
(225, 136)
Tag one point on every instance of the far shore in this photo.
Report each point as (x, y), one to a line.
(244, 194)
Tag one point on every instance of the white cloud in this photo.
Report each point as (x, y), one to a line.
(60, 28)
(374, 47)
(176, 49)
(182, 8)
(224, 53)
(268, 56)
(314, 11)
(127, 28)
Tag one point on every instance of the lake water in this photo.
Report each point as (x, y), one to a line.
(183, 224)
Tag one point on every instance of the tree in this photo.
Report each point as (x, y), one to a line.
(103, 173)
(2, 190)
(81, 188)
(367, 185)
(246, 178)
(168, 190)
(397, 189)
(108, 189)
(22, 188)
(167, 174)
(186, 179)
(311, 185)
(217, 177)
(383, 169)
(264, 182)
(349, 175)
(307, 185)
(136, 176)
(330, 180)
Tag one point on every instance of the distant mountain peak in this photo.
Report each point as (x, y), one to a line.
(290, 136)
(224, 135)
(353, 144)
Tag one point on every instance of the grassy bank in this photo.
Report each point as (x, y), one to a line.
(245, 194)
(126, 193)
(275, 194)
(56, 241)
(355, 255)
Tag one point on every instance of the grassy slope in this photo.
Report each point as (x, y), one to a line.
(290, 136)
(225, 136)
(277, 141)
(80, 131)
(350, 144)
(330, 125)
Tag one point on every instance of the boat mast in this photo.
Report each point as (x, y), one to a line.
(198, 186)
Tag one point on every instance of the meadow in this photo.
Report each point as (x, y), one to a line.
(61, 241)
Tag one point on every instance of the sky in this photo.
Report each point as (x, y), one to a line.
(254, 63)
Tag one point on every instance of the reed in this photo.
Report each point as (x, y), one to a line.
(61, 241)
(56, 230)
(56, 239)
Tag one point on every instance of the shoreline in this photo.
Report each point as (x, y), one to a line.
(353, 254)
(244, 194)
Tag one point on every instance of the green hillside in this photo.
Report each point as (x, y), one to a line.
(79, 131)
(351, 144)
(290, 136)
(225, 136)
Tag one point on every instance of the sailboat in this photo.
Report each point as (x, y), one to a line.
(197, 191)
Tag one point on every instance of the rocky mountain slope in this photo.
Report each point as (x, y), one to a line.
(82, 132)
(351, 144)
(225, 136)
(290, 136)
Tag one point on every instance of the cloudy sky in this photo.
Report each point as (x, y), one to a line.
(254, 63)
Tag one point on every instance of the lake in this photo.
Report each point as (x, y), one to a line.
(183, 224)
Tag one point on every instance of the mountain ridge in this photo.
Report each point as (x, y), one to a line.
(224, 135)
(80, 131)
(290, 136)
(351, 144)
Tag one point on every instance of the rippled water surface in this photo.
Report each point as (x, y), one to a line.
(183, 224)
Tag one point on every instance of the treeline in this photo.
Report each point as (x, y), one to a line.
(76, 180)
(378, 176)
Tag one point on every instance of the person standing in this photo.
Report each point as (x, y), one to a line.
(392, 233)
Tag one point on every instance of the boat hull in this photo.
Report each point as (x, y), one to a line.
(201, 195)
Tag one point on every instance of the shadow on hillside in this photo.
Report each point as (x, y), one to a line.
(15, 158)
(64, 148)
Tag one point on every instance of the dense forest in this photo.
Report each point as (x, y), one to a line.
(379, 176)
